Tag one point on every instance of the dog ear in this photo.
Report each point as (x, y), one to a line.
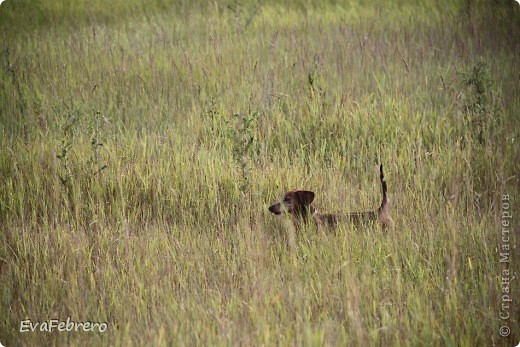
(275, 209)
(306, 197)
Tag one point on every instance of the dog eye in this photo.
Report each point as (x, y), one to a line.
(286, 199)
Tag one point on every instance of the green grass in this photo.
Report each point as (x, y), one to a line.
(141, 145)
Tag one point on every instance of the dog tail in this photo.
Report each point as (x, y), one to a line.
(382, 212)
(384, 203)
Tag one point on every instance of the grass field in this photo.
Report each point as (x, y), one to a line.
(142, 142)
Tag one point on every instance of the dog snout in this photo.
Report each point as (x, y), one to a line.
(275, 209)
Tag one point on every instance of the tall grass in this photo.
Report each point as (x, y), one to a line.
(142, 142)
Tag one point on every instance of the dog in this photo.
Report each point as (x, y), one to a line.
(298, 203)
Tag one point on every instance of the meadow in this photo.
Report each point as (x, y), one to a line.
(142, 142)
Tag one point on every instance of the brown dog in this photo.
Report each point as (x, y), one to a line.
(298, 203)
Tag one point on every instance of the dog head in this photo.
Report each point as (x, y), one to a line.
(295, 202)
